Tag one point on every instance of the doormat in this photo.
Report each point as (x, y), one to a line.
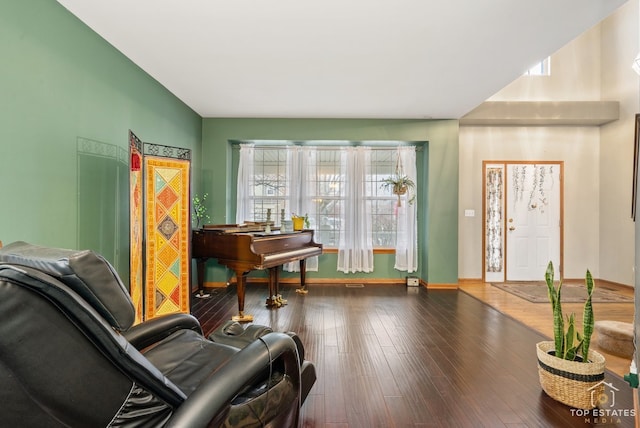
(537, 292)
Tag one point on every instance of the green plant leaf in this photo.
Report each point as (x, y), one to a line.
(569, 351)
(587, 317)
(199, 209)
(554, 298)
(570, 343)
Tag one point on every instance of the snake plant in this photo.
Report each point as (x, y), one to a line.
(569, 343)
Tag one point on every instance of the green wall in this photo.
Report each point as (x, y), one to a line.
(60, 83)
(438, 206)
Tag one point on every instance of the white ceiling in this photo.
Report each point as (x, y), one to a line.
(337, 58)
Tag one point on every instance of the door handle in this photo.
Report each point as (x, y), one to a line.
(512, 228)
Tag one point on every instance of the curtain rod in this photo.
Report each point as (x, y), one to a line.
(329, 144)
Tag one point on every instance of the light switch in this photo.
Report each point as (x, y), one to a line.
(469, 213)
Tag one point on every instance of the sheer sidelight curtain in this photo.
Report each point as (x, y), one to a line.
(407, 218)
(355, 250)
(301, 178)
(245, 188)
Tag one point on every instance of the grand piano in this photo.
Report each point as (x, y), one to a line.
(243, 250)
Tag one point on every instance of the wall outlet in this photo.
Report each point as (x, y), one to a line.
(469, 213)
(413, 281)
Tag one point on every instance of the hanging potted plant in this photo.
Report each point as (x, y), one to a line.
(400, 185)
(569, 371)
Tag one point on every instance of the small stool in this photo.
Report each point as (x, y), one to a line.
(615, 337)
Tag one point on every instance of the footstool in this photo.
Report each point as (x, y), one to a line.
(615, 337)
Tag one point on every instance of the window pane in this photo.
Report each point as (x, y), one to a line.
(328, 201)
(543, 68)
(270, 184)
(384, 222)
(382, 201)
(271, 192)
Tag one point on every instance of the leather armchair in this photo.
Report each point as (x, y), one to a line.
(234, 334)
(70, 356)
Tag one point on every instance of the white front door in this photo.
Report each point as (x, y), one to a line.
(522, 209)
(532, 205)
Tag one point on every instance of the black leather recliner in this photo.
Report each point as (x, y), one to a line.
(69, 355)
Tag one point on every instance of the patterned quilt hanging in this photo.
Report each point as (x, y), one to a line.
(135, 225)
(166, 190)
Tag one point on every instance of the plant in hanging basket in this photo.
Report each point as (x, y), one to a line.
(400, 185)
(569, 371)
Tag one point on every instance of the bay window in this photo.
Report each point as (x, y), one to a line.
(338, 189)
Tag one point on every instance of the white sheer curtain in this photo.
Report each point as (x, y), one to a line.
(244, 186)
(301, 177)
(355, 250)
(407, 219)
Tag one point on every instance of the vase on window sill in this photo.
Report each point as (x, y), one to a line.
(298, 223)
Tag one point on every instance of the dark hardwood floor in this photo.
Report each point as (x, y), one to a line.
(393, 356)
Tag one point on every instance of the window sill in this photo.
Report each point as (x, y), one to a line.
(334, 250)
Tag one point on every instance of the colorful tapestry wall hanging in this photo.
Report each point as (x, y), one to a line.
(135, 225)
(167, 282)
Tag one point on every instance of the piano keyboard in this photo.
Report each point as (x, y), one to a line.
(291, 255)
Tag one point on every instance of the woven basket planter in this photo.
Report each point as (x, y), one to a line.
(399, 190)
(573, 383)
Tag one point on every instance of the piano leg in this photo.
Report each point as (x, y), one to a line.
(302, 289)
(241, 317)
(200, 263)
(274, 299)
(279, 300)
(273, 281)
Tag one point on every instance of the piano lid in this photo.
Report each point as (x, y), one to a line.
(234, 228)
